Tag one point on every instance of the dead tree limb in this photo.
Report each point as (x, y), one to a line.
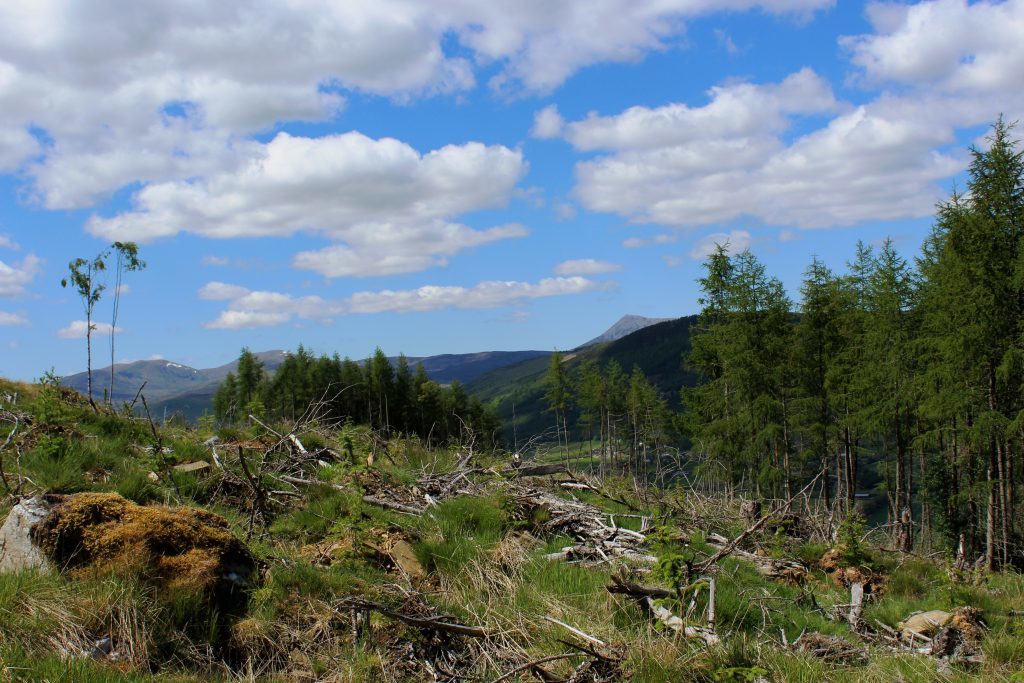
(534, 663)
(575, 631)
(678, 625)
(390, 505)
(734, 543)
(436, 622)
(534, 470)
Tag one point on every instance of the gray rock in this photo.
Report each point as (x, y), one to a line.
(17, 551)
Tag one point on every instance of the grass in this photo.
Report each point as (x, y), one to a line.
(485, 565)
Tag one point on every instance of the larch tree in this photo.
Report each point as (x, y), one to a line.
(126, 260)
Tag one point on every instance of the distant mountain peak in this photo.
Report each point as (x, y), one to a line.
(626, 325)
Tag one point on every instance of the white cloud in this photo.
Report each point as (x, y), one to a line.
(949, 44)
(586, 266)
(7, 243)
(483, 295)
(638, 242)
(672, 261)
(690, 166)
(77, 328)
(547, 123)
(734, 241)
(388, 206)
(168, 90)
(736, 112)
(12, 320)
(216, 261)
(788, 235)
(388, 249)
(249, 309)
(16, 276)
(220, 291)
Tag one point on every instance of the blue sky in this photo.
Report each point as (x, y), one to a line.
(462, 175)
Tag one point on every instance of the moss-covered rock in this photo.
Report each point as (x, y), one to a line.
(175, 548)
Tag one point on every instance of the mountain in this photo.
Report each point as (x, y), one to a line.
(517, 391)
(465, 367)
(173, 388)
(627, 324)
(508, 377)
(163, 378)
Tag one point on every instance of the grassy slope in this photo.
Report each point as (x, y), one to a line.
(485, 566)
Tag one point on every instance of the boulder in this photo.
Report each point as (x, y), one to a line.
(17, 550)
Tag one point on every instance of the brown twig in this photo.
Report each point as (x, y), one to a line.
(536, 662)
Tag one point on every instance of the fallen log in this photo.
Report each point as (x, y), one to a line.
(621, 586)
(390, 505)
(534, 470)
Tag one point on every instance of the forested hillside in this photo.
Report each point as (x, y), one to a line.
(517, 393)
(914, 367)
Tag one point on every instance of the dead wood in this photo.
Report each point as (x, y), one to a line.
(391, 505)
(831, 649)
(856, 606)
(534, 470)
(535, 663)
(678, 625)
(435, 622)
(732, 545)
(622, 586)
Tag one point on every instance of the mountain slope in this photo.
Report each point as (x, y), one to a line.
(517, 391)
(626, 325)
(164, 379)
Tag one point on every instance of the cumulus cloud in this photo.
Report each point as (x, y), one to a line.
(216, 261)
(586, 266)
(12, 320)
(681, 166)
(249, 308)
(949, 44)
(167, 90)
(734, 241)
(14, 277)
(220, 291)
(389, 249)
(77, 329)
(547, 123)
(388, 207)
(7, 243)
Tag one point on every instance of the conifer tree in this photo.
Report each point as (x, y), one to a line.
(558, 395)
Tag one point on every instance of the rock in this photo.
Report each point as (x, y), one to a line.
(405, 557)
(187, 549)
(197, 466)
(17, 550)
(924, 624)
